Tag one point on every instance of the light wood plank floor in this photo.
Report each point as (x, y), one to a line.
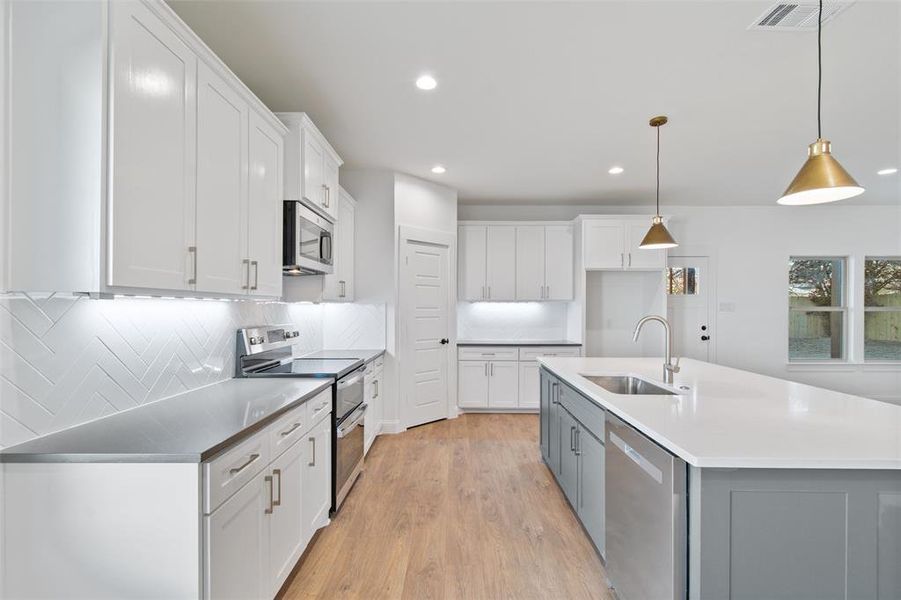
(463, 508)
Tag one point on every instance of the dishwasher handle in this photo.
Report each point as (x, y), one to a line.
(646, 465)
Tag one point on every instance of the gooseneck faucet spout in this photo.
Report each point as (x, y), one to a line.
(668, 367)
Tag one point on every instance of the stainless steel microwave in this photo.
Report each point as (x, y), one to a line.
(307, 241)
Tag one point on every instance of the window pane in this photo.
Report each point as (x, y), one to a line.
(816, 335)
(815, 282)
(882, 335)
(682, 281)
(882, 282)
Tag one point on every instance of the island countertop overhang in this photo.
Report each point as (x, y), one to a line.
(730, 418)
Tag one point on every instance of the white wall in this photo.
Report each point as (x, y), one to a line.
(385, 201)
(750, 247)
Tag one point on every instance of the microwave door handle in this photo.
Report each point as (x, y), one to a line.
(325, 247)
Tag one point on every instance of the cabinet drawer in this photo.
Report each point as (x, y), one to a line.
(534, 352)
(586, 412)
(318, 406)
(288, 429)
(488, 353)
(225, 474)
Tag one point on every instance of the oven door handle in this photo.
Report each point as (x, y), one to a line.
(354, 420)
(354, 377)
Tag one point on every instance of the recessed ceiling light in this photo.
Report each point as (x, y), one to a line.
(890, 171)
(615, 170)
(426, 82)
(438, 170)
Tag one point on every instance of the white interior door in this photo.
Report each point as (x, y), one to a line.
(689, 284)
(424, 308)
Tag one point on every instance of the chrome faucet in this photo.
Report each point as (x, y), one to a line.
(668, 367)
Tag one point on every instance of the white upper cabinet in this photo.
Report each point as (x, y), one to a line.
(529, 261)
(339, 286)
(530, 266)
(311, 165)
(151, 200)
(612, 244)
(501, 269)
(194, 165)
(544, 262)
(264, 224)
(558, 262)
(221, 173)
(472, 272)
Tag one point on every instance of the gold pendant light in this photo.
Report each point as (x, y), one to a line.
(657, 236)
(822, 179)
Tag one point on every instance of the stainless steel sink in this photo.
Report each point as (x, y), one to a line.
(626, 384)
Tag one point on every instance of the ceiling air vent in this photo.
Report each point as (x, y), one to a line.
(797, 16)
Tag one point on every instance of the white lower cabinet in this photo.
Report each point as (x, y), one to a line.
(317, 478)
(372, 394)
(529, 385)
(502, 377)
(236, 544)
(287, 537)
(254, 538)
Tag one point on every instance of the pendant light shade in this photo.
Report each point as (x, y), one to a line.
(658, 236)
(821, 179)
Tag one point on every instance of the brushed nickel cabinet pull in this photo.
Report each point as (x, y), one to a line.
(312, 463)
(256, 274)
(630, 259)
(572, 439)
(343, 293)
(278, 473)
(268, 480)
(290, 430)
(238, 469)
(246, 263)
(192, 250)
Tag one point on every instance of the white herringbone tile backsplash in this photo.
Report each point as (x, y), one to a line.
(65, 360)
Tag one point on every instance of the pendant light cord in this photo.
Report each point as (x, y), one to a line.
(658, 170)
(819, 69)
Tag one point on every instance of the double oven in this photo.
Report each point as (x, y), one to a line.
(268, 352)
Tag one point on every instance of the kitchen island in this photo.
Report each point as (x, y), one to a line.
(781, 490)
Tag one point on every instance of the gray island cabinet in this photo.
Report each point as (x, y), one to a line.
(790, 491)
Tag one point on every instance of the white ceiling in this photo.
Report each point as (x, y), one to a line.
(536, 100)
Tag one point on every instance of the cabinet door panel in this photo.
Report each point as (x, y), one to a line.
(265, 209)
(591, 486)
(330, 180)
(554, 446)
(544, 414)
(236, 545)
(558, 261)
(530, 262)
(287, 537)
(221, 193)
(339, 285)
(317, 477)
(569, 464)
(501, 268)
(603, 244)
(638, 258)
(472, 385)
(313, 169)
(151, 210)
(472, 262)
(503, 384)
(529, 385)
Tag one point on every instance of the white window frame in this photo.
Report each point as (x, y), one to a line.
(844, 308)
(873, 309)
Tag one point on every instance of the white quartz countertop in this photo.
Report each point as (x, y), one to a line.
(189, 427)
(729, 418)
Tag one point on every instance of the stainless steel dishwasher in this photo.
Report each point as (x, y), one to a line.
(646, 517)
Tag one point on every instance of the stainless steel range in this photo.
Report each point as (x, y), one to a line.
(269, 352)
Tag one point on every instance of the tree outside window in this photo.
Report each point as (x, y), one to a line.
(817, 309)
(882, 309)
